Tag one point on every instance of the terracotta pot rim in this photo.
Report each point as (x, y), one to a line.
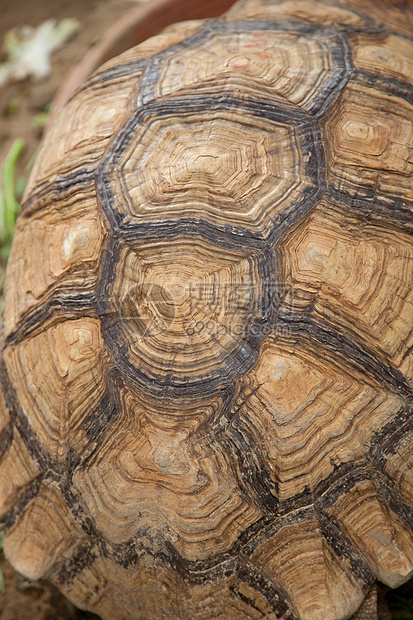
(139, 23)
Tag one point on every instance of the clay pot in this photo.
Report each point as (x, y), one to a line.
(142, 21)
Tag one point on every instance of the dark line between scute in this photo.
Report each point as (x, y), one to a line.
(344, 549)
(6, 438)
(23, 499)
(372, 207)
(386, 442)
(61, 189)
(240, 235)
(64, 305)
(352, 350)
(338, 48)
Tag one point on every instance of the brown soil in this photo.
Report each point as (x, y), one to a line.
(20, 102)
(23, 601)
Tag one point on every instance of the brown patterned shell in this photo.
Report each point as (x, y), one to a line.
(207, 368)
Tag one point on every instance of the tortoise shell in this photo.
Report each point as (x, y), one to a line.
(207, 366)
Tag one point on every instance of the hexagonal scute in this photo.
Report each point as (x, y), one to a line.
(69, 362)
(334, 277)
(182, 318)
(290, 62)
(262, 171)
(54, 533)
(70, 237)
(370, 138)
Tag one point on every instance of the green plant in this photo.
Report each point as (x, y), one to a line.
(40, 120)
(11, 191)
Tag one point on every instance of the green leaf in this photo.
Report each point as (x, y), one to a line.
(26, 584)
(11, 205)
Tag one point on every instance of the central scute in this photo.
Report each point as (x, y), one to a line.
(189, 315)
(222, 167)
(203, 166)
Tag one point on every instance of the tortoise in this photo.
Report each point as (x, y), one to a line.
(207, 363)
